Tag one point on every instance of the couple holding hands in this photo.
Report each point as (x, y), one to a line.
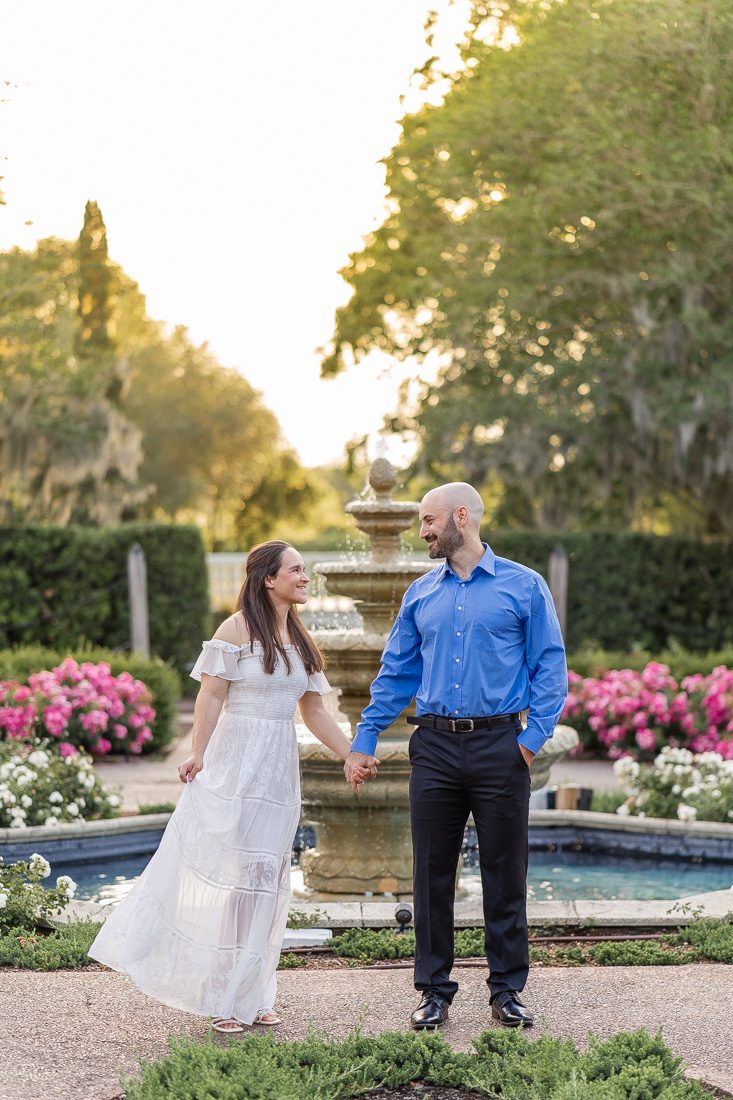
(476, 642)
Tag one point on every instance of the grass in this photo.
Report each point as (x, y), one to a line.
(503, 1064)
(65, 948)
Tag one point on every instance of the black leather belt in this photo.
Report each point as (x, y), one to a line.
(460, 725)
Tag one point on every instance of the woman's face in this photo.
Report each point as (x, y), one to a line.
(290, 584)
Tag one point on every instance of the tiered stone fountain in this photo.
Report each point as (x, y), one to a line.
(363, 842)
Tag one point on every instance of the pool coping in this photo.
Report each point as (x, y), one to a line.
(589, 819)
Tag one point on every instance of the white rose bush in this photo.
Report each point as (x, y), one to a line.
(38, 786)
(23, 898)
(679, 784)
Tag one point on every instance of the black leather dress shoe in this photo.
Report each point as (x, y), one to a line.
(432, 1012)
(509, 1010)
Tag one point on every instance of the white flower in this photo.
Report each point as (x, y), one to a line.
(18, 823)
(72, 809)
(38, 758)
(38, 863)
(63, 882)
(26, 801)
(676, 789)
(624, 809)
(23, 776)
(50, 822)
(4, 900)
(686, 813)
(113, 800)
(56, 797)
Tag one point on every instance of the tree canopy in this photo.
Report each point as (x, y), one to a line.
(558, 229)
(107, 415)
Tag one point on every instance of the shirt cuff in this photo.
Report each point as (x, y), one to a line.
(365, 742)
(533, 739)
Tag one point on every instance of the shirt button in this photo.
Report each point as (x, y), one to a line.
(460, 608)
(455, 686)
(455, 712)
(458, 660)
(463, 585)
(458, 634)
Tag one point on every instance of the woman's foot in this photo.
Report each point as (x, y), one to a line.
(226, 1025)
(267, 1017)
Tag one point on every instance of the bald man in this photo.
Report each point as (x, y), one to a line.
(476, 641)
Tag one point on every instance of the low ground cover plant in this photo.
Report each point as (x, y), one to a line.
(502, 1064)
(703, 940)
(40, 787)
(637, 712)
(25, 905)
(688, 786)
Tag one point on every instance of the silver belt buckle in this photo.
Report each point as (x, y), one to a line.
(463, 725)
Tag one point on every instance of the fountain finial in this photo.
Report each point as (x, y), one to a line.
(382, 478)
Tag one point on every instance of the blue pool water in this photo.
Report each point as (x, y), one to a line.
(556, 876)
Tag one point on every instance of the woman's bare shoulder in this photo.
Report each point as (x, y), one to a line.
(233, 630)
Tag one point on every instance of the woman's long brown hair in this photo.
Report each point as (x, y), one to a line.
(260, 616)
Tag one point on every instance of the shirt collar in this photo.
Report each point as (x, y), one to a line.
(487, 563)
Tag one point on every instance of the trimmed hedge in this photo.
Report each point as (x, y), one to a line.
(66, 587)
(160, 678)
(681, 662)
(631, 591)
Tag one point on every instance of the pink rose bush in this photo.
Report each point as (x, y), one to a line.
(637, 713)
(78, 706)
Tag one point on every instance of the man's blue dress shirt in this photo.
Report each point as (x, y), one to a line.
(488, 645)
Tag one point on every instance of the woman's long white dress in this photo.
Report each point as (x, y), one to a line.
(202, 928)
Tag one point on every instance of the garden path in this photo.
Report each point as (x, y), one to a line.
(69, 1035)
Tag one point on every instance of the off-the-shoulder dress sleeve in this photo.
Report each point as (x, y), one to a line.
(219, 658)
(318, 682)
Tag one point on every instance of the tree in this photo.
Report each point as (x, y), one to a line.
(105, 415)
(558, 230)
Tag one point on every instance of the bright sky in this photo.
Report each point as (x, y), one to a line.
(233, 149)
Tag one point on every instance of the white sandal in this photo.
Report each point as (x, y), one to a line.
(262, 1018)
(226, 1025)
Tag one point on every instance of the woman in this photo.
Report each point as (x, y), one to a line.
(202, 928)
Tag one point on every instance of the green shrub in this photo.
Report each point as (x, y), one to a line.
(712, 939)
(65, 948)
(156, 807)
(64, 587)
(39, 787)
(629, 591)
(160, 678)
(606, 802)
(505, 1064)
(23, 899)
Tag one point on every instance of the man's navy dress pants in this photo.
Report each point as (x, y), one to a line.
(452, 775)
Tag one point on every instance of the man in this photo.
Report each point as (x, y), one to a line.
(476, 640)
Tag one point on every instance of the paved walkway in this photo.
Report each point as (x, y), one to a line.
(69, 1035)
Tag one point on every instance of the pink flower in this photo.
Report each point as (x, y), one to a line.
(67, 749)
(102, 746)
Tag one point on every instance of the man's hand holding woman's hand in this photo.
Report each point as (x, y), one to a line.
(359, 766)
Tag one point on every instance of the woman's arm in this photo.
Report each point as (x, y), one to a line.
(209, 702)
(322, 726)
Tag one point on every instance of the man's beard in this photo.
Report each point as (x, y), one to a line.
(447, 542)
